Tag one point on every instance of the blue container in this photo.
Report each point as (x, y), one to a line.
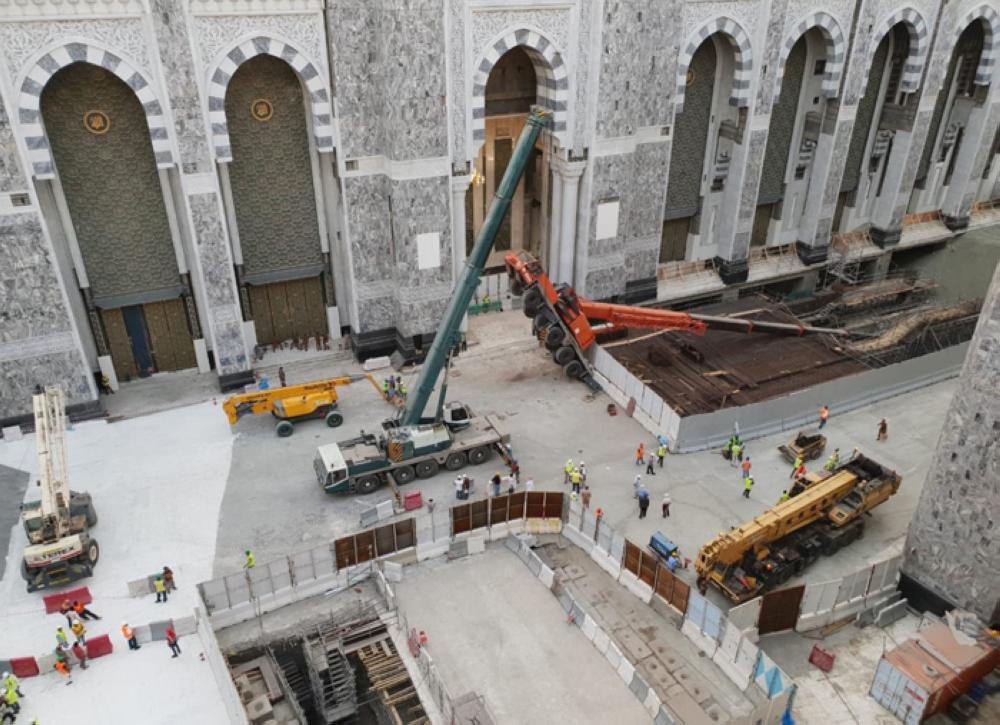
(663, 546)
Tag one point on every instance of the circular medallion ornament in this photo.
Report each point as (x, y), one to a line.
(690, 77)
(261, 109)
(97, 122)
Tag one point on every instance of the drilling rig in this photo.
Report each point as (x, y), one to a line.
(60, 548)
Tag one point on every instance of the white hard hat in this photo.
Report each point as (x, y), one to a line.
(6, 675)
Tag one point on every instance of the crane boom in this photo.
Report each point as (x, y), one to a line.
(447, 334)
(50, 437)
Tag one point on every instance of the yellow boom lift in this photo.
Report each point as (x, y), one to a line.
(293, 403)
(823, 515)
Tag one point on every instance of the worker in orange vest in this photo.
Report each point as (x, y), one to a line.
(640, 454)
(63, 669)
(129, 636)
(824, 413)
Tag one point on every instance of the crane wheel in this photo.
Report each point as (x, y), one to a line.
(25, 574)
(403, 474)
(92, 552)
(554, 337)
(333, 419)
(479, 455)
(533, 301)
(368, 484)
(91, 516)
(426, 469)
(516, 287)
(573, 369)
(284, 428)
(455, 460)
(564, 355)
(543, 320)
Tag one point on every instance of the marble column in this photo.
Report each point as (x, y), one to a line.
(555, 225)
(571, 173)
(201, 197)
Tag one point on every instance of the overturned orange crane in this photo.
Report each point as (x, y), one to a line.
(569, 325)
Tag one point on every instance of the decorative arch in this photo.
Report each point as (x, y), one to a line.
(222, 72)
(53, 61)
(990, 17)
(833, 37)
(917, 55)
(742, 53)
(550, 72)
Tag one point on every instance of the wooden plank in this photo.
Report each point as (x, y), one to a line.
(315, 307)
(277, 295)
(260, 305)
(180, 333)
(159, 336)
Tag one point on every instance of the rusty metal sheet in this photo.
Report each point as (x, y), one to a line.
(779, 610)
(460, 519)
(632, 556)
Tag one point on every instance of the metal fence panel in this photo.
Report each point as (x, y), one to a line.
(696, 610)
(617, 546)
(713, 621)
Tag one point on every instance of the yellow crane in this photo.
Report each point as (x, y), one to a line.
(822, 516)
(293, 403)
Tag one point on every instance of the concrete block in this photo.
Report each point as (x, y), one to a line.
(142, 633)
(601, 640)
(393, 572)
(685, 709)
(652, 702)
(516, 526)
(477, 545)
(376, 363)
(638, 587)
(546, 576)
(139, 588)
(664, 717)
(500, 531)
(656, 673)
(610, 565)
(185, 626)
(45, 663)
(589, 627)
(704, 643)
(613, 655)
(5, 666)
(575, 536)
(385, 510)
(158, 630)
(638, 686)
(626, 670)
(432, 550)
(890, 614)
(12, 433)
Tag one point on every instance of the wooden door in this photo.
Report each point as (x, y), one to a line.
(761, 223)
(119, 345)
(169, 337)
(287, 310)
(673, 244)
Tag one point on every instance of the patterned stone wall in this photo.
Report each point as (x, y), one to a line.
(271, 172)
(779, 133)
(952, 547)
(691, 135)
(106, 177)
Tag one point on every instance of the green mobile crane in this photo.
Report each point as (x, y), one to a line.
(414, 446)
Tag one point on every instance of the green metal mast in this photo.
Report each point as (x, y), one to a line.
(447, 334)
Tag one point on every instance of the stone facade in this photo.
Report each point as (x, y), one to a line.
(392, 102)
(952, 547)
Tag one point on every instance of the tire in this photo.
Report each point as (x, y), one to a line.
(92, 552)
(564, 355)
(334, 419)
(24, 571)
(533, 301)
(368, 484)
(573, 369)
(403, 474)
(555, 337)
(426, 469)
(479, 455)
(284, 428)
(517, 287)
(455, 460)
(91, 516)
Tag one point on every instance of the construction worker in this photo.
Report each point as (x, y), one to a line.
(129, 636)
(495, 482)
(161, 589)
(63, 669)
(567, 470)
(833, 461)
(745, 468)
(250, 561)
(575, 479)
(10, 683)
(883, 430)
(797, 462)
(61, 639)
(649, 465)
(661, 453)
(385, 388)
(583, 471)
(81, 655)
(79, 632)
(402, 390)
(82, 612)
(824, 414)
(10, 698)
(673, 562)
(784, 497)
(172, 641)
(168, 579)
(747, 486)
(737, 452)
(635, 486)
(640, 454)
(458, 488)
(665, 505)
(585, 496)
(529, 485)
(67, 611)
(643, 502)
(281, 376)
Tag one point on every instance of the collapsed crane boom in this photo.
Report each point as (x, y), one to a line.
(447, 336)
